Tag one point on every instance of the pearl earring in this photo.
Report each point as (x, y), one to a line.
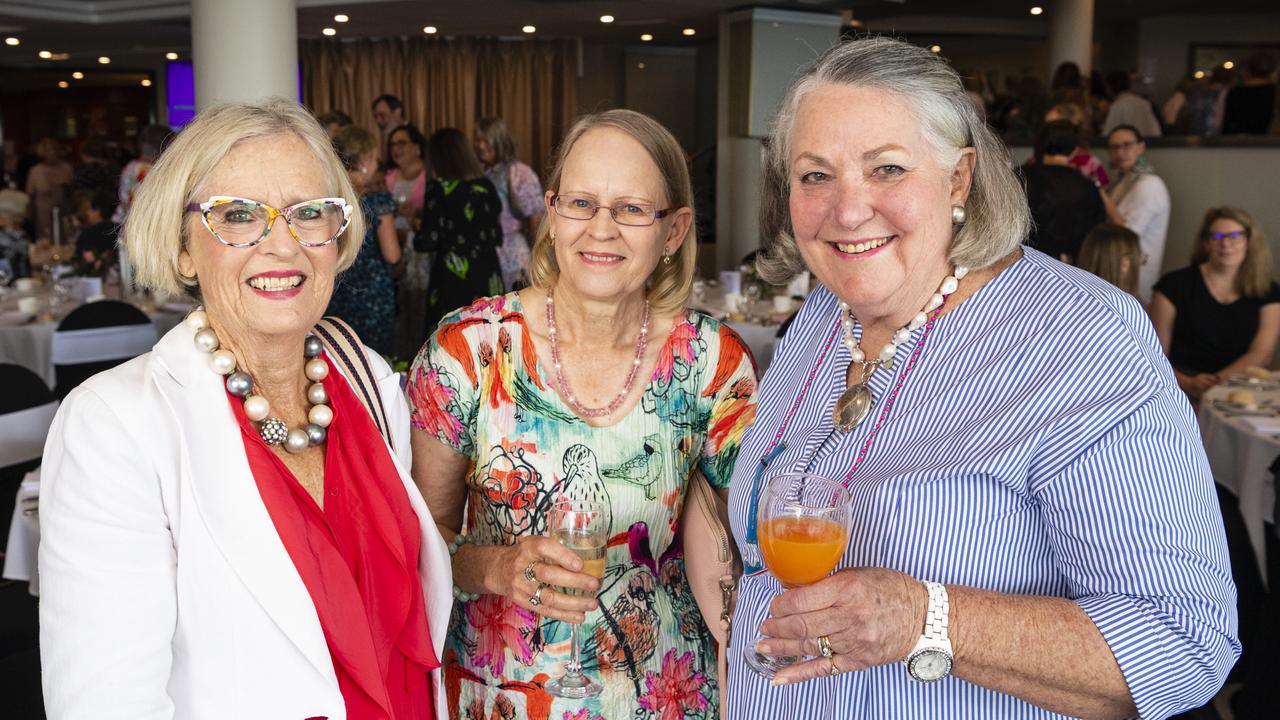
(958, 214)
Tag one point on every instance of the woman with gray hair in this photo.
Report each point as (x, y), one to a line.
(1030, 527)
(228, 525)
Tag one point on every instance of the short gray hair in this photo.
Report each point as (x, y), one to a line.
(155, 230)
(997, 216)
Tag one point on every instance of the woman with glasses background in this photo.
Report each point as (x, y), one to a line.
(206, 507)
(1221, 314)
(594, 383)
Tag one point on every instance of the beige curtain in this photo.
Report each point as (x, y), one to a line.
(450, 83)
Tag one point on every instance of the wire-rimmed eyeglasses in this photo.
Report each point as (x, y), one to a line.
(626, 212)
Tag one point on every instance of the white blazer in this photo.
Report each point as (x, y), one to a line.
(166, 591)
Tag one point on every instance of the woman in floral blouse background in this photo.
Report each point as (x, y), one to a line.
(595, 382)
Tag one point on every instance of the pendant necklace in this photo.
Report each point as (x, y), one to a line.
(856, 401)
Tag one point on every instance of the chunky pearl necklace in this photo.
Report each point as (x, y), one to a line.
(855, 403)
(579, 408)
(273, 430)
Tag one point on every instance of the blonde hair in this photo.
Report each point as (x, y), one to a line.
(155, 231)
(1103, 253)
(669, 284)
(997, 216)
(1253, 279)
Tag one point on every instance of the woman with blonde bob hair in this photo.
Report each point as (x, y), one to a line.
(974, 424)
(1221, 314)
(596, 383)
(205, 507)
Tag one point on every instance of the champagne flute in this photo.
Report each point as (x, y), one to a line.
(580, 526)
(804, 528)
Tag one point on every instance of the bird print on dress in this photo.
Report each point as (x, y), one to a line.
(582, 481)
(627, 634)
(643, 469)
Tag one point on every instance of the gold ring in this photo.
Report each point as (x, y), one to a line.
(528, 573)
(824, 647)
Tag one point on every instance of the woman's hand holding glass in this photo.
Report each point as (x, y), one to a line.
(554, 569)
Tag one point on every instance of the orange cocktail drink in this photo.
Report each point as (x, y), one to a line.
(802, 550)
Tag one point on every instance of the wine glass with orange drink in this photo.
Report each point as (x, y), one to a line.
(803, 522)
(581, 526)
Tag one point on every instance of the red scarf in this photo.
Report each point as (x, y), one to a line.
(358, 558)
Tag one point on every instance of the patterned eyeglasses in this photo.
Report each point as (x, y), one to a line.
(632, 213)
(242, 223)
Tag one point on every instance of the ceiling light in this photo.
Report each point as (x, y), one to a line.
(606, 18)
(936, 48)
(104, 60)
(856, 23)
(329, 32)
(171, 56)
(340, 18)
(688, 32)
(64, 84)
(430, 29)
(529, 29)
(646, 38)
(1037, 10)
(12, 41)
(77, 75)
(1228, 64)
(146, 82)
(1199, 75)
(640, 65)
(45, 54)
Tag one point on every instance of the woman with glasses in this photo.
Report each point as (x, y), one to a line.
(1221, 314)
(460, 227)
(225, 530)
(594, 383)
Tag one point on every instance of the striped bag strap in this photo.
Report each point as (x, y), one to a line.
(344, 345)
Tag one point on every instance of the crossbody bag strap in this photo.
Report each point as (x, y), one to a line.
(344, 346)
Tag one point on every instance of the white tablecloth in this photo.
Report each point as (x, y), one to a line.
(759, 333)
(1241, 449)
(30, 344)
(20, 558)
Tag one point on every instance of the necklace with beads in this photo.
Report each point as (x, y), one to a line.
(579, 408)
(856, 401)
(273, 430)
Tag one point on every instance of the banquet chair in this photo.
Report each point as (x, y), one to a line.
(27, 407)
(98, 336)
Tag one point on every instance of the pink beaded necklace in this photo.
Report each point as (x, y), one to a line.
(563, 383)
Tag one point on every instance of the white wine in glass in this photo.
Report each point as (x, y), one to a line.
(579, 525)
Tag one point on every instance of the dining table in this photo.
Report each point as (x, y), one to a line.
(1241, 441)
(756, 321)
(26, 337)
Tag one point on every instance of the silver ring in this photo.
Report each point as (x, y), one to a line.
(528, 573)
(536, 600)
(824, 647)
(834, 670)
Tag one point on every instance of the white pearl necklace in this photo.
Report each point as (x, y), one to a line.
(273, 430)
(855, 402)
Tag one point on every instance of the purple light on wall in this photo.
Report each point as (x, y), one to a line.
(181, 91)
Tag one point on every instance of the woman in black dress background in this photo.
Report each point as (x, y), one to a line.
(461, 224)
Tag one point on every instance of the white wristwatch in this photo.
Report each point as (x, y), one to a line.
(930, 659)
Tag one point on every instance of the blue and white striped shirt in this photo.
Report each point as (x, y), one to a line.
(1041, 446)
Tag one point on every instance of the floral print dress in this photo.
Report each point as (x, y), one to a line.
(364, 294)
(479, 387)
(461, 225)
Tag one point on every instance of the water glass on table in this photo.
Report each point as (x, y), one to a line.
(803, 525)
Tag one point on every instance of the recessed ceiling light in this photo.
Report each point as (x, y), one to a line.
(1037, 10)
(1228, 64)
(936, 48)
(688, 32)
(340, 18)
(1199, 74)
(77, 75)
(12, 41)
(646, 38)
(640, 65)
(171, 56)
(529, 29)
(45, 54)
(855, 23)
(64, 84)
(329, 31)
(606, 18)
(430, 29)
(104, 60)
(146, 82)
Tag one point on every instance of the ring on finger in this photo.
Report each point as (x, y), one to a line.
(834, 670)
(536, 600)
(528, 573)
(824, 647)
